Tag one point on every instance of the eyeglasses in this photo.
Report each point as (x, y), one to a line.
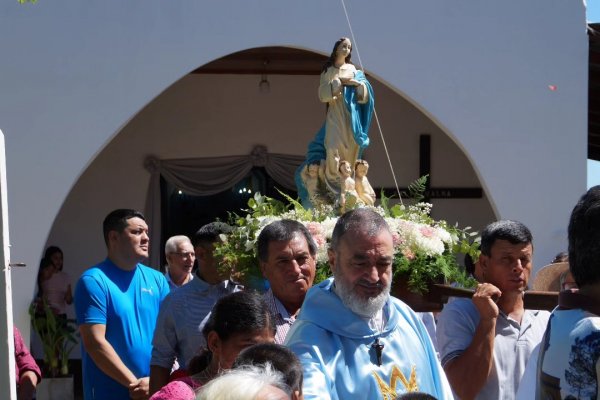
(187, 254)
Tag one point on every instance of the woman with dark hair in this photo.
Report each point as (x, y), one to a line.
(237, 321)
(349, 99)
(57, 288)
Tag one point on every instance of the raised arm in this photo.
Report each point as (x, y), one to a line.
(330, 86)
(469, 371)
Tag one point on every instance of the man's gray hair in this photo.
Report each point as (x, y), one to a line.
(358, 220)
(243, 383)
(174, 241)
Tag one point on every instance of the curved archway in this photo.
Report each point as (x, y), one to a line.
(219, 110)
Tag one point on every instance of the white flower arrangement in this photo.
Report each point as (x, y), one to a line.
(426, 249)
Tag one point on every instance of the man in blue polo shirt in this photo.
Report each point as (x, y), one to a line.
(117, 303)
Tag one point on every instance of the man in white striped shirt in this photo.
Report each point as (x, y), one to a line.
(287, 256)
(178, 333)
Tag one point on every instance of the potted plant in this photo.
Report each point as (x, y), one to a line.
(58, 337)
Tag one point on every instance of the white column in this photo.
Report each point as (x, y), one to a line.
(7, 345)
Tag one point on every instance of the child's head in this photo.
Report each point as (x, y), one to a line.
(313, 170)
(361, 167)
(345, 169)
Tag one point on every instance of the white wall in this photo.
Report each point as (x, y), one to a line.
(72, 73)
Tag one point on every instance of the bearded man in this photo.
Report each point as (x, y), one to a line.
(355, 341)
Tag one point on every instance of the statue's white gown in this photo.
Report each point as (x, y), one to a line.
(339, 135)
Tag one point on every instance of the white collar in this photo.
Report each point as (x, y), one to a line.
(377, 322)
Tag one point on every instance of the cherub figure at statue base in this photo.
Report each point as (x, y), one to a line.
(313, 182)
(363, 187)
(348, 196)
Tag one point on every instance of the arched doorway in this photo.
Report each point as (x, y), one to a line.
(221, 109)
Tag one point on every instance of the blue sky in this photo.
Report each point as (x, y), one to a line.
(593, 15)
(593, 177)
(593, 10)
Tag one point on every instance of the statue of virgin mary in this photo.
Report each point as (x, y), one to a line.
(350, 103)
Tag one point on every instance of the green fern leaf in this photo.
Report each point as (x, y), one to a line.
(417, 188)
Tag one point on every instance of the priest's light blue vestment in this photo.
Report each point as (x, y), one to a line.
(338, 356)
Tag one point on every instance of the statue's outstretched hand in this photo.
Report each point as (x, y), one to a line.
(349, 82)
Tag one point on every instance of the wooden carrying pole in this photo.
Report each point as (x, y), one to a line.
(533, 299)
(7, 345)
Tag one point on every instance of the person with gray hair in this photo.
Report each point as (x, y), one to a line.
(287, 257)
(485, 341)
(353, 339)
(248, 382)
(180, 256)
(281, 358)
